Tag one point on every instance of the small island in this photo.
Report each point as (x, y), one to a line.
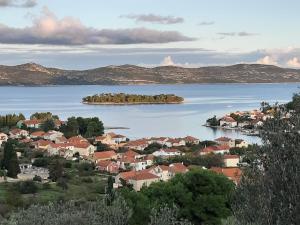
(121, 98)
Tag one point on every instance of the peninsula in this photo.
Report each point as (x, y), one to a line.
(121, 98)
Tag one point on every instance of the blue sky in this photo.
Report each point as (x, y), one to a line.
(90, 33)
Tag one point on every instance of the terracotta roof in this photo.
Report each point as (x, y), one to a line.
(127, 175)
(38, 133)
(105, 163)
(215, 148)
(130, 153)
(178, 168)
(233, 173)
(77, 139)
(104, 155)
(223, 139)
(17, 131)
(43, 142)
(228, 119)
(190, 138)
(31, 122)
(143, 175)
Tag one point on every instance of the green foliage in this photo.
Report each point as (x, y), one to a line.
(87, 127)
(10, 120)
(213, 121)
(269, 192)
(62, 182)
(75, 213)
(44, 116)
(26, 187)
(56, 170)
(10, 160)
(41, 162)
(152, 148)
(122, 98)
(47, 125)
(37, 178)
(201, 196)
(85, 168)
(295, 103)
(207, 161)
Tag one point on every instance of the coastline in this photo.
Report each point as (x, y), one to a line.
(131, 103)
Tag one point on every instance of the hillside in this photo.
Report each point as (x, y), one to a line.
(34, 74)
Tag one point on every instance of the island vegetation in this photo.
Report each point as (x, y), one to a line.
(121, 98)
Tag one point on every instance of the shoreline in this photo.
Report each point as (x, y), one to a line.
(131, 103)
(238, 129)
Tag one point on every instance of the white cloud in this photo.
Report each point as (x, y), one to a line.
(168, 61)
(48, 29)
(268, 60)
(152, 18)
(294, 62)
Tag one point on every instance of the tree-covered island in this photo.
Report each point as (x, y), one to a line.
(121, 98)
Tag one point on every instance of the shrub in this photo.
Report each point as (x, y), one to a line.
(27, 187)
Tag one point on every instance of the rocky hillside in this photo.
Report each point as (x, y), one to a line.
(34, 74)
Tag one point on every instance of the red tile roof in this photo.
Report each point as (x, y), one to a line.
(104, 155)
(233, 173)
(231, 157)
(38, 133)
(143, 175)
(228, 119)
(178, 168)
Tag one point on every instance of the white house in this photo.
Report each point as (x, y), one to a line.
(3, 138)
(18, 133)
(231, 160)
(228, 121)
(167, 153)
(52, 135)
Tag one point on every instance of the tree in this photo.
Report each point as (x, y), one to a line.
(62, 182)
(27, 187)
(201, 197)
(48, 124)
(166, 216)
(110, 193)
(269, 192)
(10, 160)
(213, 121)
(43, 116)
(56, 170)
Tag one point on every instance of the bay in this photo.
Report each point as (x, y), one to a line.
(174, 120)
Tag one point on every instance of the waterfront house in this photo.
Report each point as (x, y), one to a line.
(240, 143)
(228, 121)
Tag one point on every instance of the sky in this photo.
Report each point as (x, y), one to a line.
(85, 34)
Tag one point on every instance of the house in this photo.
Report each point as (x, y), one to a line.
(231, 160)
(142, 179)
(225, 141)
(161, 171)
(233, 173)
(111, 139)
(37, 134)
(108, 166)
(191, 140)
(60, 149)
(240, 143)
(104, 156)
(176, 142)
(3, 138)
(52, 135)
(138, 145)
(160, 140)
(59, 140)
(42, 144)
(176, 168)
(167, 153)
(34, 123)
(77, 140)
(18, 133)
(217, 149)
(228, 121)
(84, 148)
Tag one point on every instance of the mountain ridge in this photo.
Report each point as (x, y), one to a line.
(32, 74)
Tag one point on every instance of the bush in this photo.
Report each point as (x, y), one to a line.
(27, 187)
(37, 178)
(41, 162)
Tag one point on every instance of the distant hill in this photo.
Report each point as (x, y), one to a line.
(34, 74)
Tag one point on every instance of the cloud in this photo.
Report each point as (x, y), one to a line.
(152, 18)
(294, 62)
(18, 3)
(48, 29)
(168, 61)
(239, 34)
(206, 23)
(267, 60)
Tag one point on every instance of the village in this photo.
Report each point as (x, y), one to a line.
(248, 122)
(137, 163)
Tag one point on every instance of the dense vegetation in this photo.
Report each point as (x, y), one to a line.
(10, 120)
(122, 98)
(201, 196)
(87, 127)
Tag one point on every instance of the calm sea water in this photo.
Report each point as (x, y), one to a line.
(201, 101)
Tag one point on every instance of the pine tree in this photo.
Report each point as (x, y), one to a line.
(10, 160)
